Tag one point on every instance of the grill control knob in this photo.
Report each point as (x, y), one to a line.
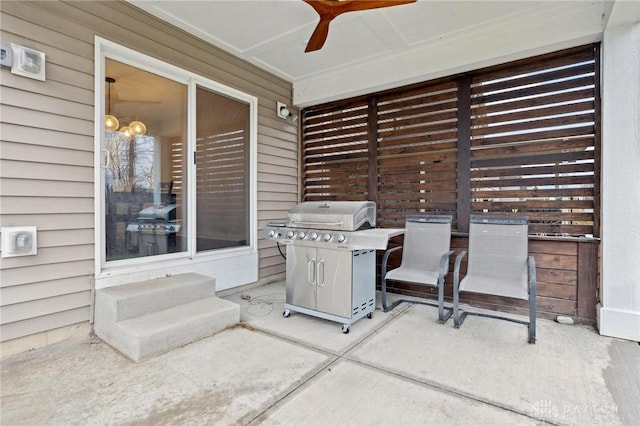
(314, 236)
(326, 237)
(272, 233)
(341, 238)
(301, 235)
(290, 234)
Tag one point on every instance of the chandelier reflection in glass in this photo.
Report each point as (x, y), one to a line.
(112, 123)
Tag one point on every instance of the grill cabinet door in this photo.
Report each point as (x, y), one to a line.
(333, 282)
(301, 276)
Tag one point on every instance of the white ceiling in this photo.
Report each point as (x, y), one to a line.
(381, 48)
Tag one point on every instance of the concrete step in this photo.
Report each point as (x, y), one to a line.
(133, 300)
(159, 317)
(152, 334)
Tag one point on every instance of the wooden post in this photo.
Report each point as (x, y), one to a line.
(587, 280)
(372, 132)
(463, 210)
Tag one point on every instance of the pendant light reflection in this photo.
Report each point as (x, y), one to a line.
(138, 128)
(112, 123)
(127, 133)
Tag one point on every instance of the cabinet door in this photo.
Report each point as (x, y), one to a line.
(333, 282)
(301, 276)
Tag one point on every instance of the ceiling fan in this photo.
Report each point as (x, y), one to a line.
(329, 9)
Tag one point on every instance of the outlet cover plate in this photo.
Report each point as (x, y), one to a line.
(28, 62)
(19, 241)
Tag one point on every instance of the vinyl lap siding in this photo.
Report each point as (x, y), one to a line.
(46, 158)
(47, 181)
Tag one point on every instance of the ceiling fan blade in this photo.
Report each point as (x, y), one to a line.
(329, 9)
(319, 36)
(355, 5)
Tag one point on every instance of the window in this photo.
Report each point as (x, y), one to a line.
(181, 191)
(145, 206)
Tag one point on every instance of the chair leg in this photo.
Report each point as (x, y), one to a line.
(383, 294)
(442, 317)
(457, 318)
(440, 302)
(532, 330)
(532, 314)
(456, 315)
(532, 299)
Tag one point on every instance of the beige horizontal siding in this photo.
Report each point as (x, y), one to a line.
(65, 237)
(30, 170)
(46, 306)
(49, 255)
(45, 103)
(46, 322)
(51, 272)
(61, 222)
(43, 137)
(44, 289)
(31, 117)
(42, 188)
(44, 154)
(276, 151)
(47, 156)
(42, 205)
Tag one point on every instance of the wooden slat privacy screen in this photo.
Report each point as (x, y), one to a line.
(533, 143)
(336, 153)
(519, 138)
(417, 152)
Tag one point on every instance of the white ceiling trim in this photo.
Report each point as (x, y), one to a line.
(382, 48)
(554, 29)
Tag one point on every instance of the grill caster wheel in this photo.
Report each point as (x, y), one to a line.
(345, 328)
(286, 313)
(370, 315)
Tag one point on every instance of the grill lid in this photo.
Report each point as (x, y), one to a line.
(334, 215)
(158, 212)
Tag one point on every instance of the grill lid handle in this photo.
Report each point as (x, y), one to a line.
(304, 222)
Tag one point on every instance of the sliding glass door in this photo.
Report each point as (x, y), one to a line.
(176, 166)
(222, 171)
(144, 163)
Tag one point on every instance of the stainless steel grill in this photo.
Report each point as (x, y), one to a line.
(155, 230)
(330, 254)
(344, 225)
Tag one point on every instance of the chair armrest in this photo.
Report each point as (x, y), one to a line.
(532, 275)
(456, 268)
(385, 259)
(444, 260)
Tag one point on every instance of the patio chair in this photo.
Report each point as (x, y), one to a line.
(425, 259)
(499, 264)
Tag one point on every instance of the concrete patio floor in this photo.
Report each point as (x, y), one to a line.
(398, 368)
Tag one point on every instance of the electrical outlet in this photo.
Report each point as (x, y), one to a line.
(19, 241)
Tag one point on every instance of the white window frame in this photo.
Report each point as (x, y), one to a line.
(231, 267)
